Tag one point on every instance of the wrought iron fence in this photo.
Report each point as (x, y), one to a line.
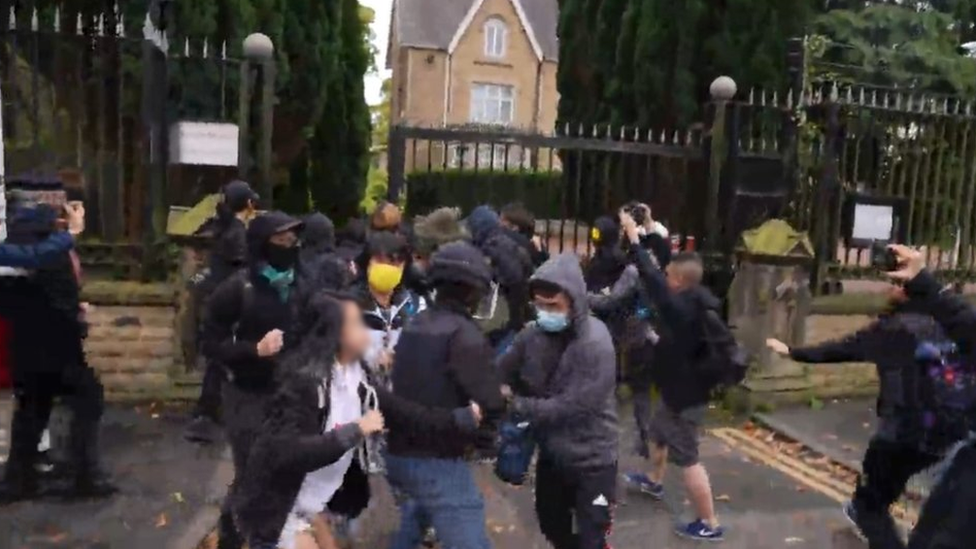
(568, 178)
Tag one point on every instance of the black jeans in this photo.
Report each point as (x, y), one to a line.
(35, 393)
(887, 468)
(565, 498)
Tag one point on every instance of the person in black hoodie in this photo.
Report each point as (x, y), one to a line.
(303, 459)
(682, 303)
(609, 260)
(228, 254)
(248, 319)
(322, 265)
(899, 449)
(443, 361)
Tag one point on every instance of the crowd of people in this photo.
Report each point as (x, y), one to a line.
(333, 355)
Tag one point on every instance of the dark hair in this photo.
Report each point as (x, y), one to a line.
(390, 245)
(517, 214)
(545, 289)
(314, 341)
(458, 294)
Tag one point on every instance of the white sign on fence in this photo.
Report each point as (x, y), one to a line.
(204, 143)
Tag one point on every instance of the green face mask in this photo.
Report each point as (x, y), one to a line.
(282, 281)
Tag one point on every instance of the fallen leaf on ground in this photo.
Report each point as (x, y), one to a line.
(57, 538)
(155, 416)
(178, 497)
(792, 541)
(829, 436)
(723, 497)
(161, 521)
(848, 448)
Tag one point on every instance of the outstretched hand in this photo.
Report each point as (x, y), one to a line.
(778, 346)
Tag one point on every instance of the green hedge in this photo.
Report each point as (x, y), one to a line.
(540, 192)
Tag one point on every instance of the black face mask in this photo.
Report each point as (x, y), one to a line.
(282, 258)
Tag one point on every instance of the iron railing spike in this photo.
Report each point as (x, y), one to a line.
(223, 51)
(581, 130)
(35, 21)
(969, 108)
(664, 136)
(776, 98)
(898, 101)
(945, 106)
(834, 92)
(861, 99)
(762, 97)
(186, 47)
(101, 24)
(674, 138)
(57, 18)
(80, 25)
(850, 96)
(789, 99)
(752, 96)
(12, 22)
(206, 48)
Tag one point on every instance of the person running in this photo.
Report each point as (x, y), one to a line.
(320, 416)
(682, 303)
(228, 254)
(248, 319)
(898, 450)
(561, 369)
(443, 361)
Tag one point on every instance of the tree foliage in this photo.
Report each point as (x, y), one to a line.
(649, 63)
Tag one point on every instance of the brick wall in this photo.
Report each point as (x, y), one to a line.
(132, 341)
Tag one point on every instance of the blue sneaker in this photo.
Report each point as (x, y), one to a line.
(643, 483)
(700, 531)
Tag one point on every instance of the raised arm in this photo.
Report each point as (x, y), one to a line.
(38, 255)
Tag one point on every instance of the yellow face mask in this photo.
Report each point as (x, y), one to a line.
(384, 278)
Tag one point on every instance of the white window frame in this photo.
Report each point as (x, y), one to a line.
(482, 109)
(496, 38)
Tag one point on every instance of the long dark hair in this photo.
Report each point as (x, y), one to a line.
(315, 340)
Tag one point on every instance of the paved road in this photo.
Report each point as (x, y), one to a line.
(171, 490)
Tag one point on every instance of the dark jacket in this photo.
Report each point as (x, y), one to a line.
(36, 255)
(627, 310)
(890, 343)
(291, 444)
(443, 361)
(228, 253)
(681, 330)
(511, 264)
(242, 310)
(565, 382)
(537, 256)
(322, 266)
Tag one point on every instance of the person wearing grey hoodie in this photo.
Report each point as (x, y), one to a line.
(562, 372)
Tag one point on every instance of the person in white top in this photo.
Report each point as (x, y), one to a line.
(311, 443)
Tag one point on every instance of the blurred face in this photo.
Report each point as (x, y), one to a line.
(354, 340)
(421, 261)
(677, 281)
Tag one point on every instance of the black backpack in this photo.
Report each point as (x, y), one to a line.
(721, 362)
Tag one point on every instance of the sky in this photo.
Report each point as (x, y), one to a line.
(381, 30)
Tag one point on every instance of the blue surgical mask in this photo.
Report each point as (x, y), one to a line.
(552, 322)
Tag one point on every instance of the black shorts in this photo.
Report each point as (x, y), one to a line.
(678, 432)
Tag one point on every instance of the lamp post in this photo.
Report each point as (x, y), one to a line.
(257, 115)
(722, 90)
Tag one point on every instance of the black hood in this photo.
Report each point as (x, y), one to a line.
(318, 234)
(263, 227)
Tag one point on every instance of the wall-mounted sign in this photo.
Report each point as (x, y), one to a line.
(203, 143)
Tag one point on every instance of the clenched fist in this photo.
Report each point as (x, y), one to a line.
(271, 343)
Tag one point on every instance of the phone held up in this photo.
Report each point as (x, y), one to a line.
(882, 257)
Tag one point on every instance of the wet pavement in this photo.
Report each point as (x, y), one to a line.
(171, 491)
(840, 429)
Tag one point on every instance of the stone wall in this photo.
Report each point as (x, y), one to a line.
(132, 341)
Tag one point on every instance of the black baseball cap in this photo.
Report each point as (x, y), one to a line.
(237, 193)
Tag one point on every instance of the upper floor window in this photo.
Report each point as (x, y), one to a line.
(492, 104)
(496, 38)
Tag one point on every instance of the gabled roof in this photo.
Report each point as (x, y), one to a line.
(435, 23)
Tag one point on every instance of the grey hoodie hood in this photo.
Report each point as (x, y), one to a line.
(564, 271)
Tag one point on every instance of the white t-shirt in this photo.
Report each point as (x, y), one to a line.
(319, 486)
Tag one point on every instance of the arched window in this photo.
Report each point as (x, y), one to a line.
(496, 38)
